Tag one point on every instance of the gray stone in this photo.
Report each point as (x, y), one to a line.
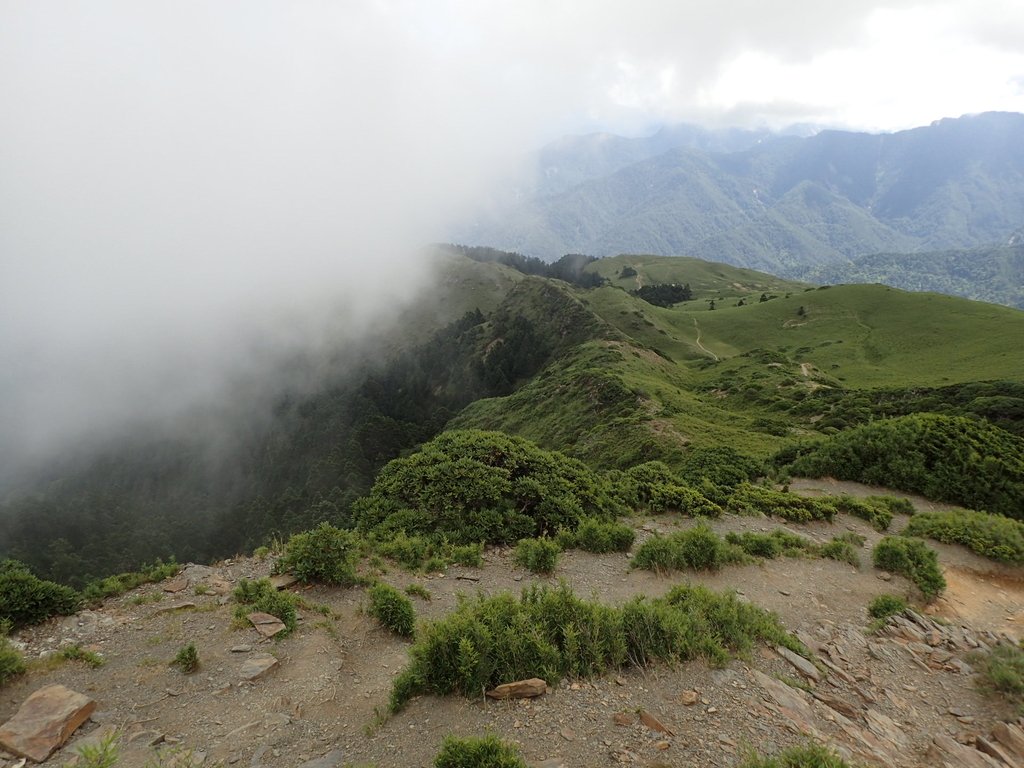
(332, 759)
(257, 666)
(802, 665)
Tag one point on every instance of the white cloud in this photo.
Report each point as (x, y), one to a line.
(178, 175)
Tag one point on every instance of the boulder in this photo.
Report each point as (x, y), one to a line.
(45, 721)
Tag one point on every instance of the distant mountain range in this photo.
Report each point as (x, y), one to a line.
(786, 204)
(989, 273)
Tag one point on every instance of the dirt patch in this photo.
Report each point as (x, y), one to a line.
(989, 599)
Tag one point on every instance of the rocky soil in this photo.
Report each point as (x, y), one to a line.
(906, 696)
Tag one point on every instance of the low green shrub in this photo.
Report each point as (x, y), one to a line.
(477, 752)
(325, 554)
(261, 597)
(537, 555)
(551, 634)
(392, 609)
(186, 659)
(602, 536)
(755, 500)
(112, 586)
(26, 599)
(698, 548)
(913, 559)
(992, 536)
(810, 756)
(885, 605)
(845, 548)
(1002, 672)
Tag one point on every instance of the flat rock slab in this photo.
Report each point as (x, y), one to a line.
(45, 721)
(283, 580)
(521, 689)
(177, 584)
(182, 606)
(800, 664)
(265, 624)
(257, 666)
(650, 721)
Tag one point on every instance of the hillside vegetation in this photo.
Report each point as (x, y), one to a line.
(598, 374)
(954, 459)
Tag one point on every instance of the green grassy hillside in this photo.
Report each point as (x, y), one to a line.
(597, 373)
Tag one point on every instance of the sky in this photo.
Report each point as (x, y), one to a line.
(191, 189)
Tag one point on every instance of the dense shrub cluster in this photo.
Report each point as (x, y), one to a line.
(758, 500)
(537, 555)
(948, 458)
(428, 553)
(913, 559)
(261, 596)
(551, 634)
(27, 599)
(992, 536)
(325, 554)
(472, 486)
(392, 609)
(653, 487)
(722, 466)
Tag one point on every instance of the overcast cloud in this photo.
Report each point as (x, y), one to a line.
(187, 184)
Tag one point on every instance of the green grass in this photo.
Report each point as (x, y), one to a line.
(77, 653)
(809, 756)
(11, 662)
(112, 586)
(552, 634)
(260, 596)
(1002, 673)
(477, 752)
(418, 590)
